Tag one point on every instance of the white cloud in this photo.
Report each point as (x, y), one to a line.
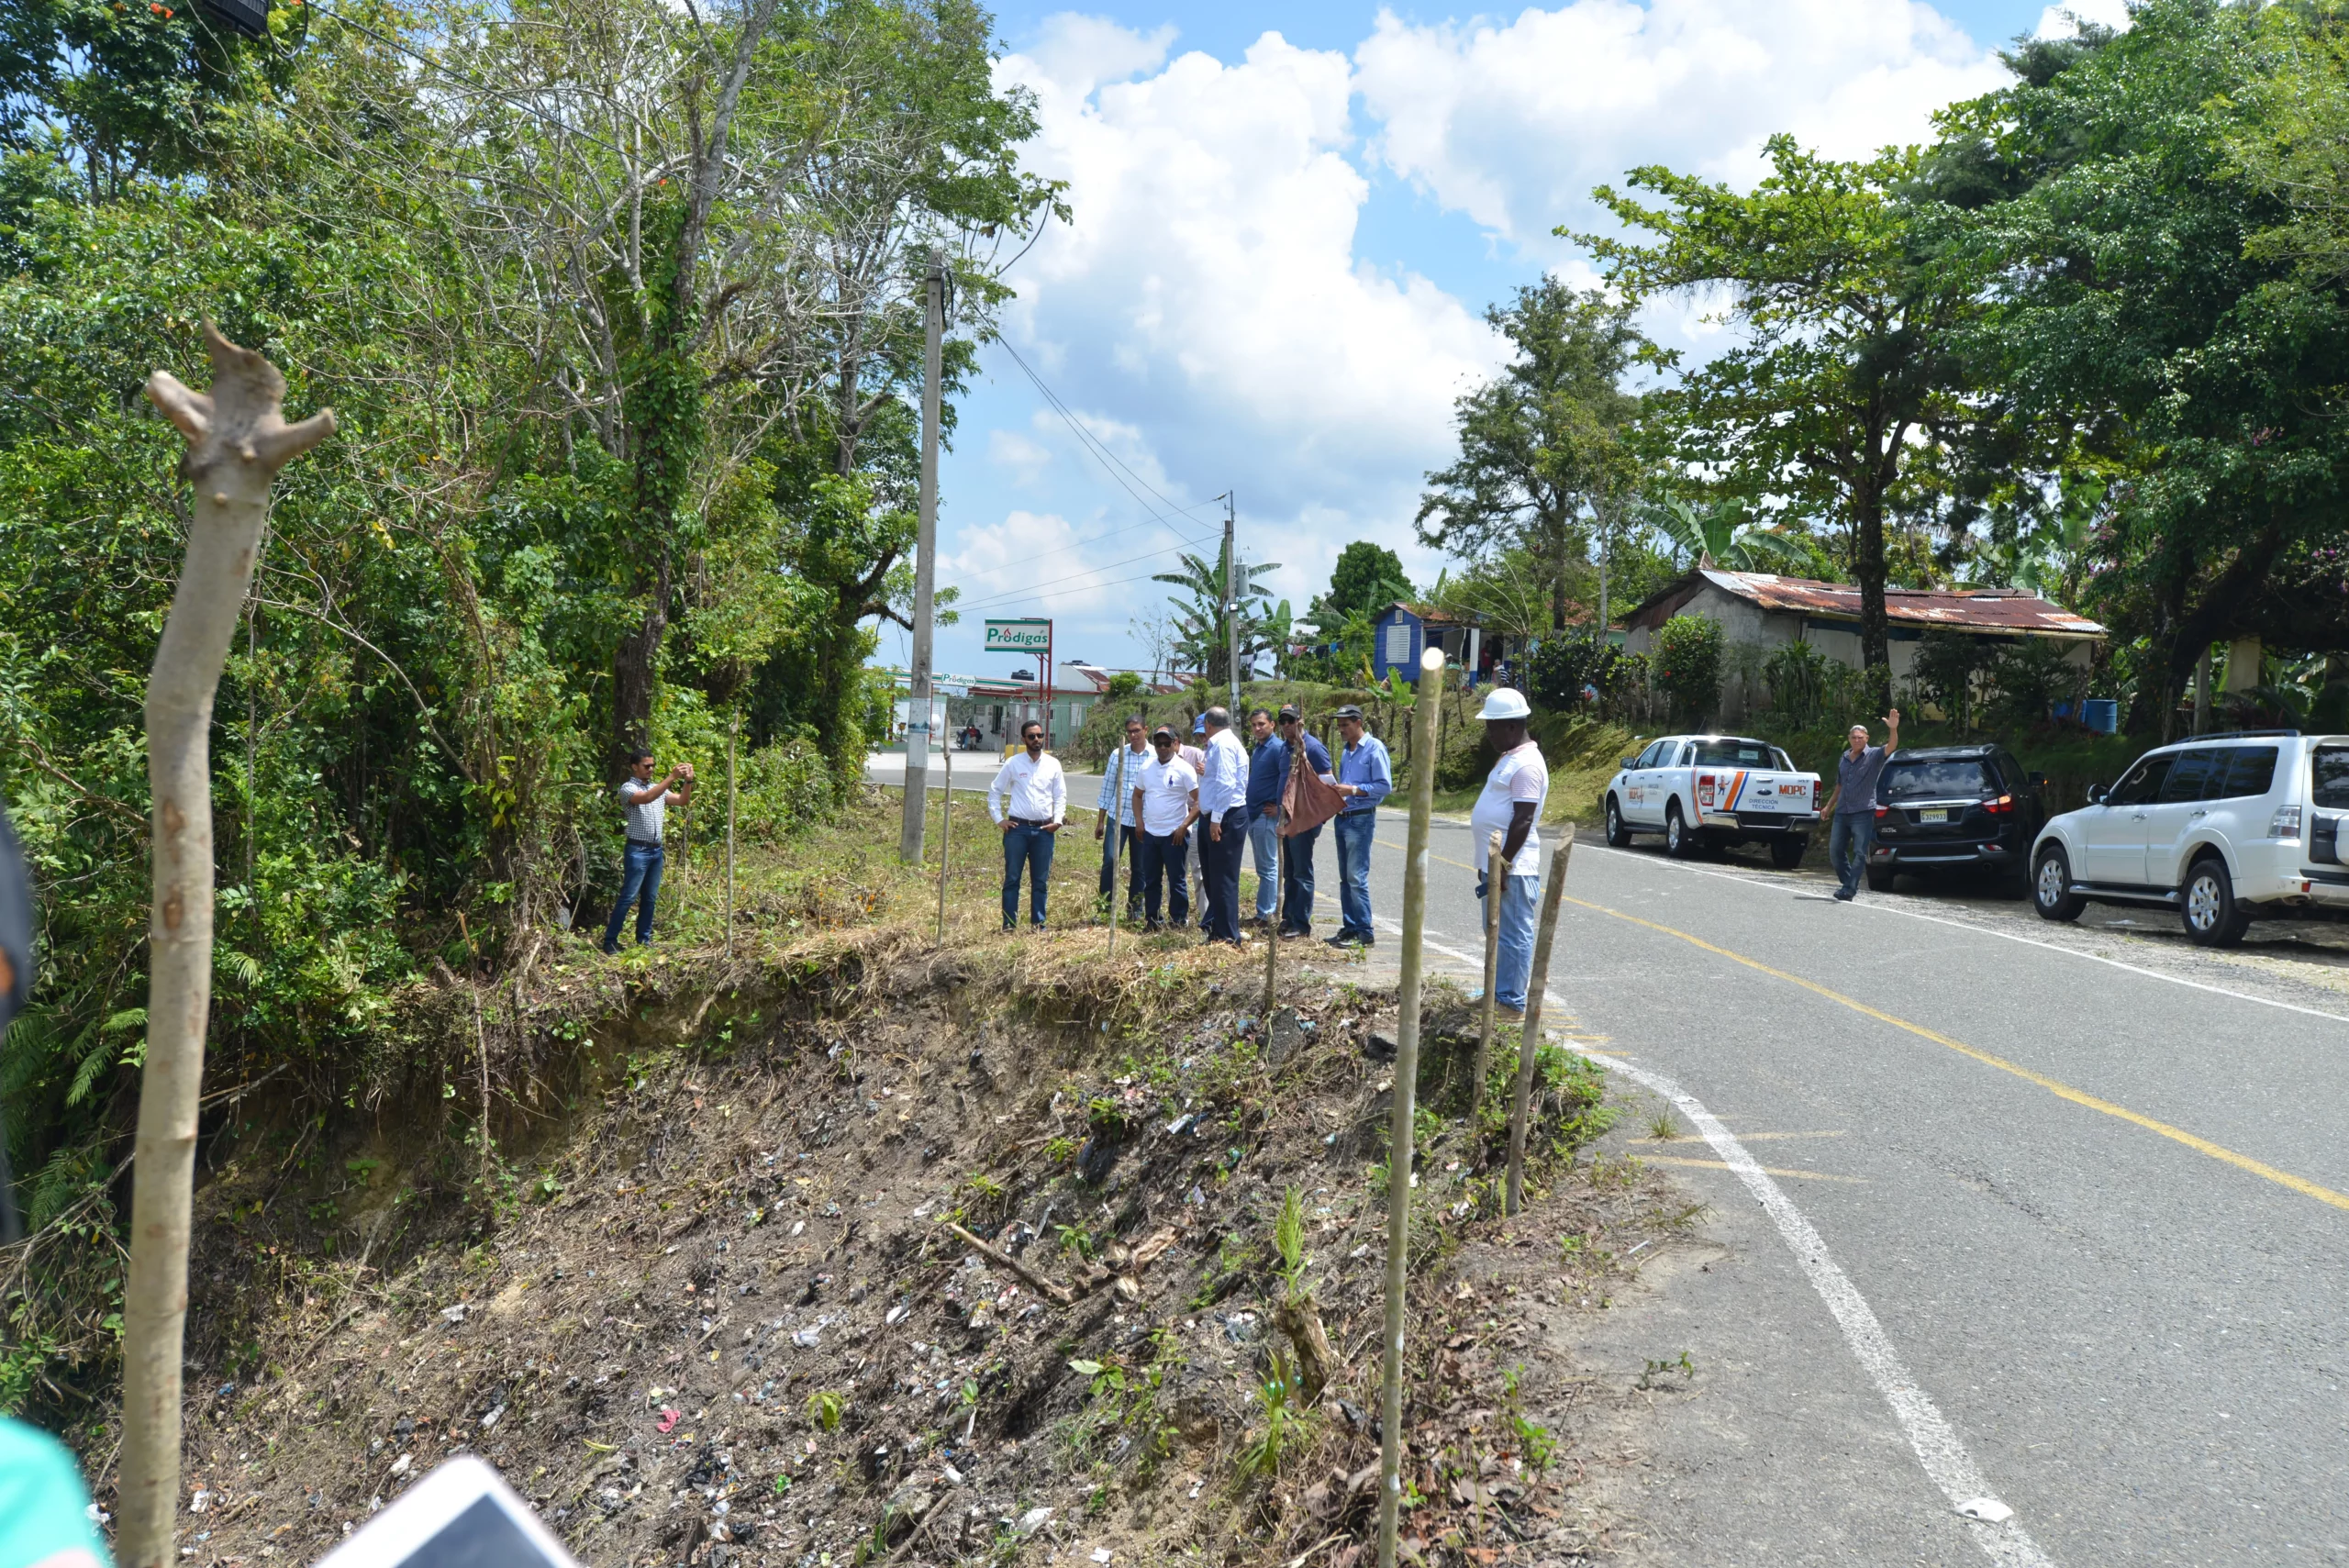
(1040, 564)
(1021, 456)
(1513, 123)
(1209, 290)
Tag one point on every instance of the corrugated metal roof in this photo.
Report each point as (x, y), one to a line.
(1976, 609)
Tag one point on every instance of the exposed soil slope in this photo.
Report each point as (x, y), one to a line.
(726, 1321)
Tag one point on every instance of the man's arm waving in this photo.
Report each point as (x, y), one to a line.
(1892, 732)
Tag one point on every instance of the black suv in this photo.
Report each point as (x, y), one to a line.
(1946, 807)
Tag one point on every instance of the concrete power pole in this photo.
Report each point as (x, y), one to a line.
(918, 707)
(1232, 605)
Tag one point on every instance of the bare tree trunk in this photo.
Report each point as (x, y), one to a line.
(236, 443)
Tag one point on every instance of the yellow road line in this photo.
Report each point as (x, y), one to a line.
(1725, 1165)
(2062, 1090)
(2260, 1168)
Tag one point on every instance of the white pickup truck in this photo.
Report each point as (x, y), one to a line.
(1714, 789)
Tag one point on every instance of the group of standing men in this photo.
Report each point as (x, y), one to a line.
(1166, 804)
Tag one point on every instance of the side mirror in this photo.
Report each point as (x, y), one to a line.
(1627, 762)
(2039, 780)
(2097, 794)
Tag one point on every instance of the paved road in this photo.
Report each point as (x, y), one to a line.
(2057, 1216)
(2076, 1194)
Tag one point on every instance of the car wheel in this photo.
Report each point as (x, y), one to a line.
(2213, 918)
(2050, 886)
(1678, 841)
(1619, 832)
(1881, 878)
(1787, 852)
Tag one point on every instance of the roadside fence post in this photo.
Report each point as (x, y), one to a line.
(1398, 1146)
(1529, 1035)
(1495, 883)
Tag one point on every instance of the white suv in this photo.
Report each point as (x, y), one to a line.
(2222, 827)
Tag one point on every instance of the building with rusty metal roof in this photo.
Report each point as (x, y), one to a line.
(1760, 611)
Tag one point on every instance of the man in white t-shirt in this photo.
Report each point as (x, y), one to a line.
(1166, 803)
(1511, 806)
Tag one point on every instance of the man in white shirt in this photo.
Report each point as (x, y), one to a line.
(645, 805)
(1165, 802)
(1223, 806)
(1511, 806)
(1028, 800)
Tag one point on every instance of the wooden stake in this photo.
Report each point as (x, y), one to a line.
(1496, 882)
(237, 441)
(1398, 1145)
(945, 828)
(1528, 1039)
(733, 729)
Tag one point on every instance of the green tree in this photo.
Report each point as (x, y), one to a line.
(2171, 321)
(1367, 578)
(1544, 450)
(1850, 324)
(1720, 534)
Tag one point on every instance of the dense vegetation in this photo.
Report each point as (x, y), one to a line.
(618, 306)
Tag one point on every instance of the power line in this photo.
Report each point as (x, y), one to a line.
(1110, 461)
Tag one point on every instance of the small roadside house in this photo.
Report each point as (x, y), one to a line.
(1760, 613)
(1405, 630)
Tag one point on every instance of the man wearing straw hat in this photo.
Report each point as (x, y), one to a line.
(1511, 806)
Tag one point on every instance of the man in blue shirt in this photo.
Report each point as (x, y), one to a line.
(1264, 809)
(1297, 849)
(1852, 808)
(1366, 777)
(1117, 804)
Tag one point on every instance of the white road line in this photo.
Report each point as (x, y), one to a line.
(1942, 1453)
(1939, 1449)
(1980, 929)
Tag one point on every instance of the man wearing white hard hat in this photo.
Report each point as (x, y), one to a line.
(1511, 806)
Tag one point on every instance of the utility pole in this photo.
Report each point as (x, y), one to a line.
(1232, 603)
(918, 706)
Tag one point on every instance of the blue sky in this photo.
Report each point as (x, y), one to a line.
(1288, 222)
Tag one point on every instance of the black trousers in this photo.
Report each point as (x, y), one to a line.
(1221, 864)
(1296, 880)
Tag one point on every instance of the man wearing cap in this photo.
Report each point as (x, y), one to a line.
(1296, 852)
(1511, 806)
(1118, 776)
(1264, 809)
(1165, 802)
(1364, 777)
(1028, 800)
(1223, 805)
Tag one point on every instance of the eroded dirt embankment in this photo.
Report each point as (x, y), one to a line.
(719, 1314)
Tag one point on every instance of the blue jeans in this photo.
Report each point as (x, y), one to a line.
(1163, 862)
(1031, 848)
(1121, 840)
(640, 876)
(1514, 969)
(1354, 831)
(1262, 833)
(1847, 845)
(1296, 880)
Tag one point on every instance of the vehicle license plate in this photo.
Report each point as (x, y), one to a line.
(1939, 813)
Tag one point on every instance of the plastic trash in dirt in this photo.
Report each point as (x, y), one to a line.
(670, 1417)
